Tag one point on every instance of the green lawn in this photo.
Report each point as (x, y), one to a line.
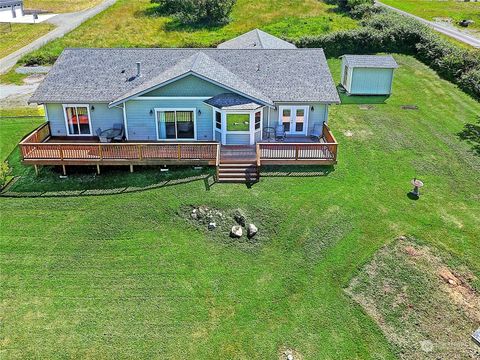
(127, 275)
(16, 36)
(12, 130)
(135, 24)
(61, 6)
(452, 9)
(238, 122)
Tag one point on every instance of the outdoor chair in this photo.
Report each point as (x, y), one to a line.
(119, 126)
(316, 133)
(102, 139)
(280, 133)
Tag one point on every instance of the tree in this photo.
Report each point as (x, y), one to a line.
(194, 12)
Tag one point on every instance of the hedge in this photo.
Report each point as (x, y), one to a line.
(386, 31)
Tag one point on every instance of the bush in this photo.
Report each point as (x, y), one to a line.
(4, 172)
(390, 32)
(194, 12)
(365, 10)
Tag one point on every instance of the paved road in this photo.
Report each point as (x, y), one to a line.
(444, 29)
(64, 22)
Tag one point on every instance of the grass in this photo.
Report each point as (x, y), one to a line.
(450, 9)
(128, 276)
(414, 296)
(136, 24)
(61, 6)
(16, 36)
(12, 130)
(238, 122)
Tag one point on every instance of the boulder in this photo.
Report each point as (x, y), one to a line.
(239, 217)
(236, 231)
(251, 230)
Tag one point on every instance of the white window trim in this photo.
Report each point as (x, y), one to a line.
(194, 110)
(293, 110)
(65, 106)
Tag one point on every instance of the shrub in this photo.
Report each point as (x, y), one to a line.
(4, 172)
(365, 10)
(194, 12)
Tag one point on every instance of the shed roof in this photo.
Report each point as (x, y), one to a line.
(10, 2)
(265, 76)
(371, 61)
(229, 101)
(256, 39)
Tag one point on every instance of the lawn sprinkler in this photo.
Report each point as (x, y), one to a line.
(417, 184)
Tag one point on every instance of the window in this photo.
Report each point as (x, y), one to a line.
(294, 119)
(238, 122)
(300, 120)
(176, 124)
(78, 119)
(218, 120)
(286, 118)
(258, 119)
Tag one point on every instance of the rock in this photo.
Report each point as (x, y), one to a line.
(212, 226)
(202, 211)
(236, 231)
(239, 217)
(289, 357)
(251, 230)
(194, 214)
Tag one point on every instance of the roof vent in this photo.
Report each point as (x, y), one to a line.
(258, 67)
(139, 69)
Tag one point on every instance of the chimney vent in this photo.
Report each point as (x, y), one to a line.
(139, 69)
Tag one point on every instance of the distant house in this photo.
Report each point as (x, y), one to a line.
(14, 7)
(255, 99)
(368, 74)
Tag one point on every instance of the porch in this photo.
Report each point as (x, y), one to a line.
(41, 148)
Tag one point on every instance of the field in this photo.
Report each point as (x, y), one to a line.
(130, 275)
(16, 36)
(452, 9)
(136, 24)
(61, 6)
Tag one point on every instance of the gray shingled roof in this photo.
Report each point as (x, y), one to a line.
(371, 61)
(256, 39)
(229, 101)
(107, 75)
(204, 66)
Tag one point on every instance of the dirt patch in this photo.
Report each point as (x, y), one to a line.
(366, 107)
(425, 308)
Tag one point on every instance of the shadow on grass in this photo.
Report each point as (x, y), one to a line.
(362, 99)
(471, 134)
(296, 171)
(412, 196)
(83, 180)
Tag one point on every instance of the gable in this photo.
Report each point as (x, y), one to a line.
(189, 85)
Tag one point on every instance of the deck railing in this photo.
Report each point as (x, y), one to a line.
(33, 148)
(316, 152)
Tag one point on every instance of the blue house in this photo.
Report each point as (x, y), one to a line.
(255, 94)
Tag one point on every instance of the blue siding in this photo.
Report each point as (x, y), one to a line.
(238, 139)
(188, 86)
(141, 125)
(102, 117)
(370, 81)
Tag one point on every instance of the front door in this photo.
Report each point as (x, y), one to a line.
(294, 119)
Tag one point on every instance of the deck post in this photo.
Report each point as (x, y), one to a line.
(258, 154)
(131, 168)
(179, 150)
(64, 168)
(36, 169)
(98, 169)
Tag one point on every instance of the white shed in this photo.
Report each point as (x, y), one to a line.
(368, 74)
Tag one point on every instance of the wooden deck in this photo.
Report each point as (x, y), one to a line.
(40, 148)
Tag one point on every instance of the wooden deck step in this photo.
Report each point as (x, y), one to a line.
(237, 171)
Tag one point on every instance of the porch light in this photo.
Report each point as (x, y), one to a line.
(151, 111)
(199, 112)
(92, 108)
(312, 108)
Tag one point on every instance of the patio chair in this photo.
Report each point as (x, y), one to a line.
(280, 133)
(316, 132)
(119, 126)
(102, 139)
